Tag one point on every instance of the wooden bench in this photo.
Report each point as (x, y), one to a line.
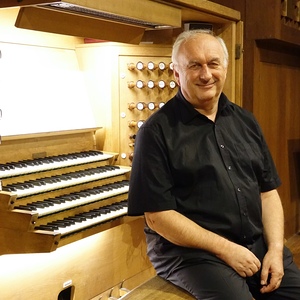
(157, 288)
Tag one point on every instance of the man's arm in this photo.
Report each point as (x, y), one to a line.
(181, 231)
(273, 222)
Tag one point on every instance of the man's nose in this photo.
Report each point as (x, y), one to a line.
(205, 73)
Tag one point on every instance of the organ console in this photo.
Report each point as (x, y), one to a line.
(47, 202)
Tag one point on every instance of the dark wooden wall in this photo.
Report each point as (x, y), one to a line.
(271, 89)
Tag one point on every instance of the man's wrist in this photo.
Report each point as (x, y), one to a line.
(276, 247)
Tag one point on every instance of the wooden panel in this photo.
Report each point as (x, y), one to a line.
(277, 109)
(267, 14)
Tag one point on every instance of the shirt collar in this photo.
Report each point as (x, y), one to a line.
(188, 112)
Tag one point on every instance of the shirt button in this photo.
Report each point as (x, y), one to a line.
(229, 167)
(244, 237)
(238, 189)
(222, 146)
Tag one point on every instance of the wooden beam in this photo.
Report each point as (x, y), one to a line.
(41, 19)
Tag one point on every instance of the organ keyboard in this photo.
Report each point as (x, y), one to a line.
(50, 163)
(55, 200)
(41, 185)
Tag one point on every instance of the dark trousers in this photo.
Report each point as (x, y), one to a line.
(208, 278)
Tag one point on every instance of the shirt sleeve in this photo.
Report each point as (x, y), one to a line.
(151, 183)
(269, 176)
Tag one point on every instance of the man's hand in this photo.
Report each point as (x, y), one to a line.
(242, 260)
(272, 271)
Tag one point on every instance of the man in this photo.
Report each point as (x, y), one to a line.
(204, 179)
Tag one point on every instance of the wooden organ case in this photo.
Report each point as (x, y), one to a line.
(67, 238)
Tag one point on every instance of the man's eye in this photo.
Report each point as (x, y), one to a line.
(194, 66)
(214, 64)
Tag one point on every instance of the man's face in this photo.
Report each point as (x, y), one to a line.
(200, 70)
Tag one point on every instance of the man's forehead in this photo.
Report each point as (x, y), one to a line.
(195, 54)
(193, 49)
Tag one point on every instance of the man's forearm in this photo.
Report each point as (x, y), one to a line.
(273, 220)
(182, 231)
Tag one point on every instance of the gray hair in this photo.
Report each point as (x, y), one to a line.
(186, 35)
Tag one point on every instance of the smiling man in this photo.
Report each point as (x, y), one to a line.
(204, 178)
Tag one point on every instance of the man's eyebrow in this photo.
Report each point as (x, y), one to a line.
(215, 59)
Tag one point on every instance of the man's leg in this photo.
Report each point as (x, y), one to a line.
(211, 280)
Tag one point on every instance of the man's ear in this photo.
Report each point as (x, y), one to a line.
(176, 76)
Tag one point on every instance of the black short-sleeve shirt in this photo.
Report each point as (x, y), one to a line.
(211, 172)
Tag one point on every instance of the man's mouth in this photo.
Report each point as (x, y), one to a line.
(207, 85)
